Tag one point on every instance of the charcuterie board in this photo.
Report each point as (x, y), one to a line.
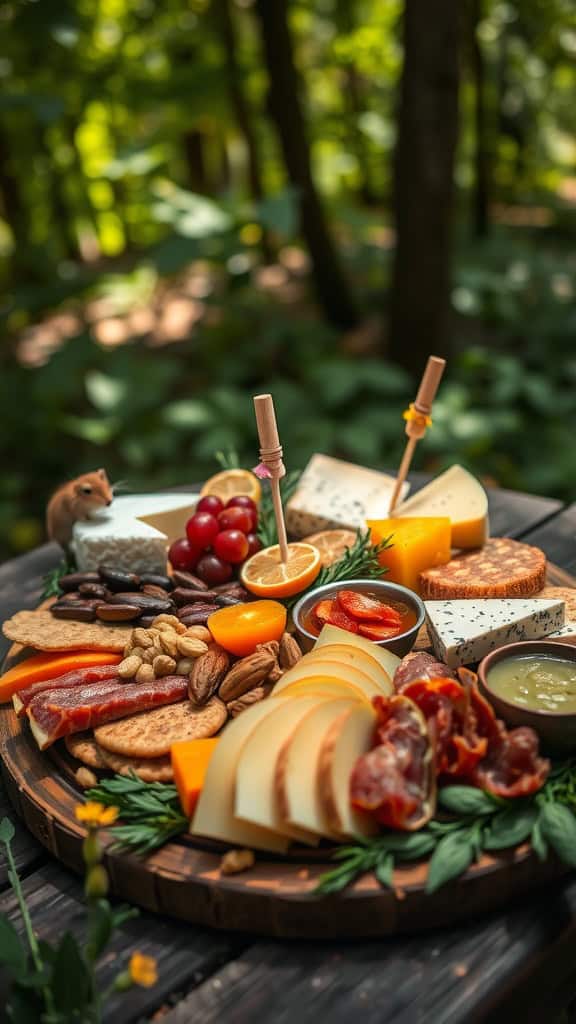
(275, 897)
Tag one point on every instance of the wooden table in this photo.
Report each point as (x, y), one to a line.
(520, 961)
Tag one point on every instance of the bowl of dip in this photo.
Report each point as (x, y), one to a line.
(534, 683)
(405, 602)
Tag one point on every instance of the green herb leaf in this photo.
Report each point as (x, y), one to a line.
(384, 870)
(409, 845)
(337, 880)
(466, 800)
(539, 844)
(12, 952)
(451, 858)
(558, 826)
(151, 812)
(510, 827)
(7, 831)
(71, 982)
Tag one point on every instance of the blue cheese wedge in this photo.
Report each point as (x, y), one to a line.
(567, 630)
(463, 632)
(333, 494)
(134, 533)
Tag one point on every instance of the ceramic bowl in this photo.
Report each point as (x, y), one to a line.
(557, 731)
(400, 645)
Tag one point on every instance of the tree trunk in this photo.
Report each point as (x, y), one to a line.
(287, 114)
(354, 99)
(424, 188)
(241, 109)
(193, 145)
(481, 194)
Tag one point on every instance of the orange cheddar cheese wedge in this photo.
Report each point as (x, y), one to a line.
(190, 760)
(419, 543)
(41, 667)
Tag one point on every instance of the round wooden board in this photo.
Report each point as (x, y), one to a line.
(276, 897)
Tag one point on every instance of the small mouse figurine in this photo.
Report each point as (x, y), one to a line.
(74, 501)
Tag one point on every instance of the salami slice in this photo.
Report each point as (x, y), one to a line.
(502, 568)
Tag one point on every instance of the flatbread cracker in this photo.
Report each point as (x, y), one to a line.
(84, 748)
(41, 630)
(151, 769)
(152, 733)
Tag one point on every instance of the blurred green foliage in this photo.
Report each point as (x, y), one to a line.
(124, 193)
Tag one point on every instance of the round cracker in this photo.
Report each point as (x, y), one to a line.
(152, 733)
(40, 629)
(84, 748)
(151, 769)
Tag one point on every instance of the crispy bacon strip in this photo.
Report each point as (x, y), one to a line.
(58, 713)
(75, 678)
(395, 781)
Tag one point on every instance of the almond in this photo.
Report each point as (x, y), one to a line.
(246, 674)
(207, 674)
(236, 707)
(290, 652)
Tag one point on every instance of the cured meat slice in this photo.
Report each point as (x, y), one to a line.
(395, 781)
(57, 713)
(76, 678)
(502, 568)
(420, 665)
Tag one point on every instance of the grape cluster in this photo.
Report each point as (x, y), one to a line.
(218, 538)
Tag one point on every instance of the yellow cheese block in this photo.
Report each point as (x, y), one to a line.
(418, 544)
(459, 495)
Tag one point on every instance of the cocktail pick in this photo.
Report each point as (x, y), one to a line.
(271, 466)
(417, 418)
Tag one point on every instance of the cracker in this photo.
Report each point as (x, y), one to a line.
(151, 769)
(41, 630)
(152, 733)
(566, 594)
(502, 568)
(84, 748)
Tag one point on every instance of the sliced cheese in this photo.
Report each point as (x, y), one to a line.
(333, 494)
(416, 545)
(349, 736)
(256, 798)
(296, 778)
(385, 658)
(463, 632)
(353, 657)
(326, 685)
(458, 495)
(134, 533)
(214, 816)
(330, 669)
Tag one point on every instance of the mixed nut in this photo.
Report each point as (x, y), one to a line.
(115, 595)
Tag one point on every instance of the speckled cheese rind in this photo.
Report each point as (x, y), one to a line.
(463, 632)
(502, 568)
(333, 494)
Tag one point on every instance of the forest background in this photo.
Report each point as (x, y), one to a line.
(202, 199)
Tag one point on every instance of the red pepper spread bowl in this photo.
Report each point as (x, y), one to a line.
(386, 613)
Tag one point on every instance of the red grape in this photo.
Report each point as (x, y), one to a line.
(236, 519)
(243, 501)
(254, 544)
(210, 503)
(183, 554)
(213, 570)
(201, 529)
(231, 545)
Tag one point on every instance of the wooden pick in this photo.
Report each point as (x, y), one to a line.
(271, 460)
(418, 419)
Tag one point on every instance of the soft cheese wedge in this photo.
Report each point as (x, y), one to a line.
(256, 799)
(329, 669)
(348, 737)
(335, 635)
(214, 816)
(296, 775)
(458, 495)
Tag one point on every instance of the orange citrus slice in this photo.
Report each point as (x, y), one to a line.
(231, 482)
(331, 544)
(266, 575)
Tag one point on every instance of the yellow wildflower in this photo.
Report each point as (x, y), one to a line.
(95, 815)
(143, 970)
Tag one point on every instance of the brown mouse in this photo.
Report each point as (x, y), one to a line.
(74, 501)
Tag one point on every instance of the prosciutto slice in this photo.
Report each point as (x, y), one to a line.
(76, 678)
(59, 712)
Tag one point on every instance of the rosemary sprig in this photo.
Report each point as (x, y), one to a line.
(51, 581)
(266, 521)
(358, 562)
(150, 812)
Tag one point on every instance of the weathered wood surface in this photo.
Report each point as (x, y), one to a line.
(517, 964)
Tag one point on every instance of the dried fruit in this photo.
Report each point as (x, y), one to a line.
(246, 674)
(290, 652)
(207, 674)
(128, 668)
(236, 707)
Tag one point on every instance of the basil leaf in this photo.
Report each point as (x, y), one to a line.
(410, 845)
(466, 800)
(508, 828)
(539, 844)
(335, 881)
(384, 870)
(451, 858)
(558, 826)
